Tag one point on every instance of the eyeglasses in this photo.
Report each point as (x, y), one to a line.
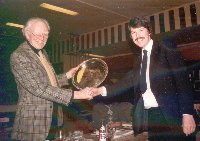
(45, 35)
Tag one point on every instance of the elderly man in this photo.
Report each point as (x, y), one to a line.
(38, 85)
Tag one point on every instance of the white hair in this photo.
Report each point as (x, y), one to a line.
(30, 22)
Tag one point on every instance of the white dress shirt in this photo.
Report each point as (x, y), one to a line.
(148, 96)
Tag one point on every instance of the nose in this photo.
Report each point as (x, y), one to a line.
(138, 33)
(41, 37)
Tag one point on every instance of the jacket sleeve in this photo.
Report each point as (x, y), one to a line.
(31, 78)
(62, 80)
(122, 86)
(179, 70)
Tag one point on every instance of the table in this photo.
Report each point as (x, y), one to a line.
(122, 132)
(141, 137)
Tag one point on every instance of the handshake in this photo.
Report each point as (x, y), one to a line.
(88, 93)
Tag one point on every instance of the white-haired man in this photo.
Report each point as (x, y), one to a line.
(38, 85)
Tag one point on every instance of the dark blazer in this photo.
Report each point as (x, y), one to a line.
(36, 95)
(169, 81)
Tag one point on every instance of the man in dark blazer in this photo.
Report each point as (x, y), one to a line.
(38, 85)
(164, 101)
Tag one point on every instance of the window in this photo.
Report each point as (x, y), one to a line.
(77, 43)
(63, 47)
(72, 44)
(182, 17)
(88, 40)
(161, 21)
(106, 36)
(119, 33)
(68, 45)
(193, 14)
(93, 39)
(127, 31)
(99, 38)
(58, 53)
(112, 35)
(152, 21)
(171, 20)
(54, 53)
(82, 42)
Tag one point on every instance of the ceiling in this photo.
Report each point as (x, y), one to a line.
(93, 14)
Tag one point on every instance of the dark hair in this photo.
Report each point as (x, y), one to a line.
(139, 22)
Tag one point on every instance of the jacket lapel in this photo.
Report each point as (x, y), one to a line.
(32, 55)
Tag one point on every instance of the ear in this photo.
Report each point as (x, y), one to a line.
(26, 34)
(23, 31)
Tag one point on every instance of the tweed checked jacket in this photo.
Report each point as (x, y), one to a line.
(36, 95)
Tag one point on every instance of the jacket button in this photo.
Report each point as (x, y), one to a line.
(50, 106)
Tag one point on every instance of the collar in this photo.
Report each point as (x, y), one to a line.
(34, 49)
(149, 46)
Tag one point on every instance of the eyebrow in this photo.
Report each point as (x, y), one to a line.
(41, 33)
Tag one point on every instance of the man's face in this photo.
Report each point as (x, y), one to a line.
(37, 34)
(140, 36)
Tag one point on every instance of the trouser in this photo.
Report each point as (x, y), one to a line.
(159, 130)
(54, 128)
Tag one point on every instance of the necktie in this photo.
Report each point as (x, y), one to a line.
(143, 84)
(48, 69)
(57, 110)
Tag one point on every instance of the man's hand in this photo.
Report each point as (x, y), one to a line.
(188, 124)
(85, 93)
(72, 72)
(97, 91)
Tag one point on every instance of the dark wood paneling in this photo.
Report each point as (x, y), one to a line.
(118, 63)
(190, 51)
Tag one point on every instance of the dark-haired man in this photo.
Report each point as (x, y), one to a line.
(162, 93)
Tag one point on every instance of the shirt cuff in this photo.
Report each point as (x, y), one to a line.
(185, 114)
(72, 97)
(104, 91)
